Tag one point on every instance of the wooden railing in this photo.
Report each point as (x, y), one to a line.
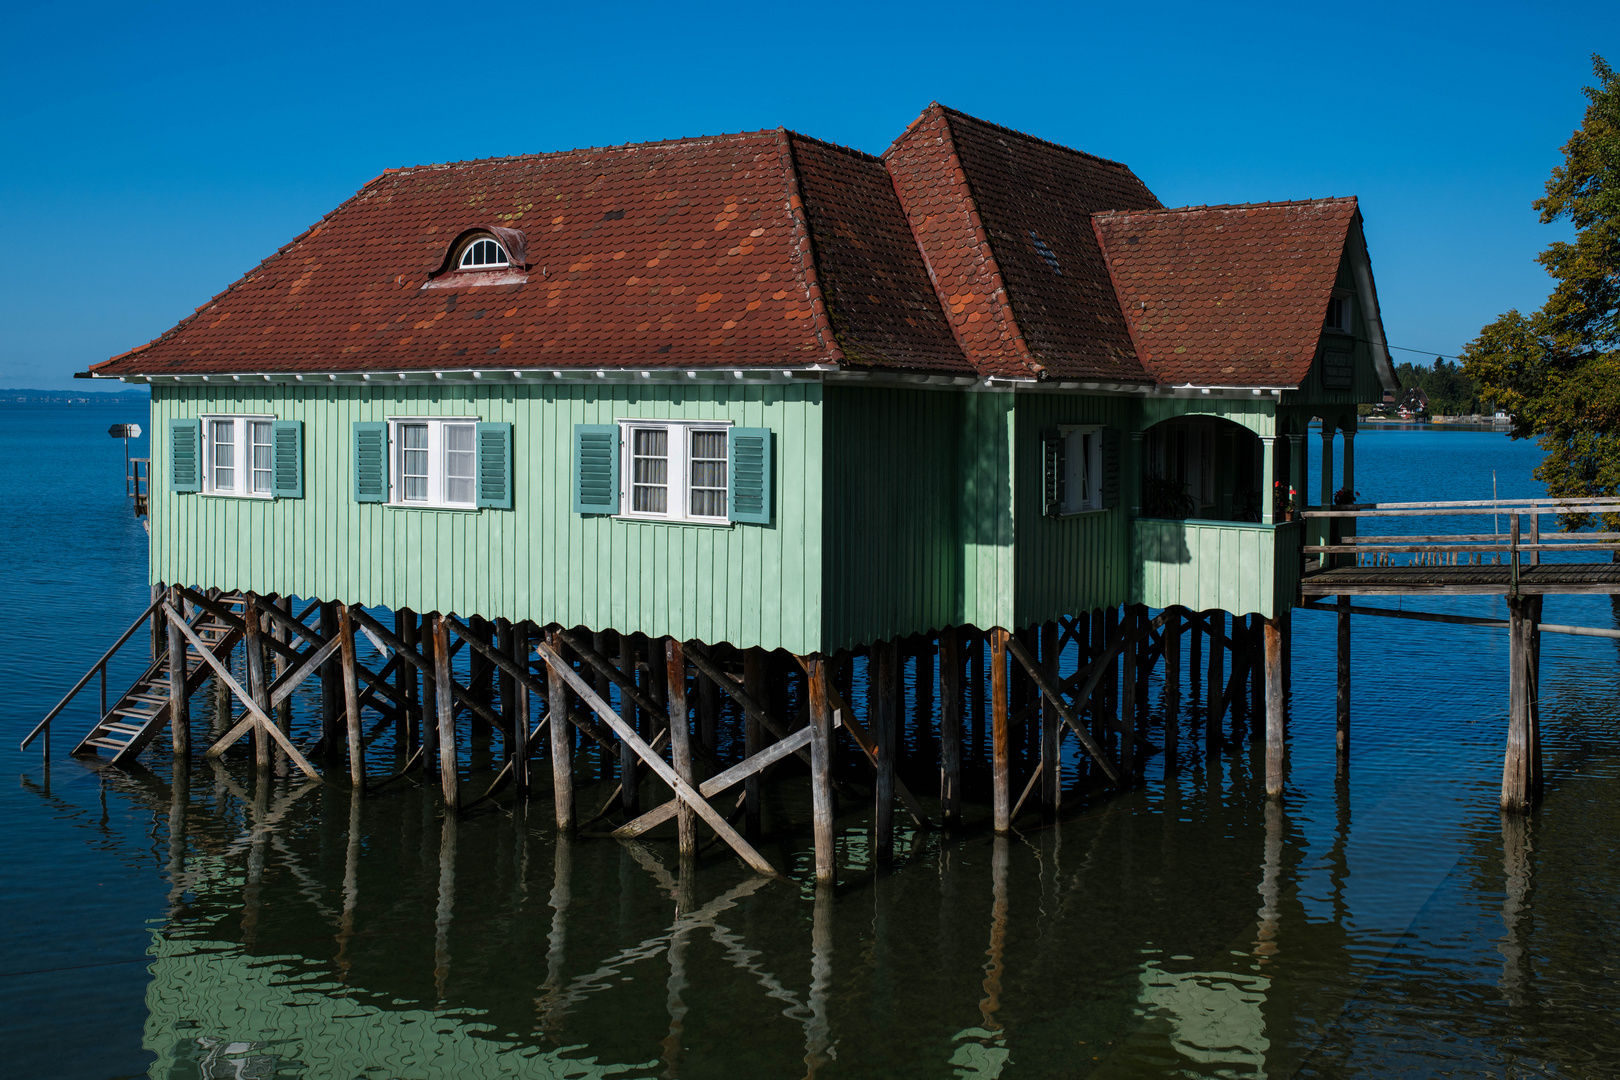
(1517, 546)
(98, 668)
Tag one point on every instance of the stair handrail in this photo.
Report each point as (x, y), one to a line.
(99, 665)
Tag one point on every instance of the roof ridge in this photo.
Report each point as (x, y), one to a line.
(1227, 206)
(856, 151)
(764, 133)
(1034, 138)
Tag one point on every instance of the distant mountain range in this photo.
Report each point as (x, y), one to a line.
(73, 397)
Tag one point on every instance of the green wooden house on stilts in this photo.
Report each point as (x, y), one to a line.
(645, 427)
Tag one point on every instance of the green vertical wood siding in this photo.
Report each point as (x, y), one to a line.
(1069, 564)
(537, 561)
(986, 457)
(1236, 567)
(894, 554)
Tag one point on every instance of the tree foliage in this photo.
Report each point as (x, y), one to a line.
(1556, 371)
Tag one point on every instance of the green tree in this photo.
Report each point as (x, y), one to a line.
(1556, 371)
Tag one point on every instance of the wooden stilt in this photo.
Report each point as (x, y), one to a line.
(1276, 748)
(1342, 730)
(449, 771)
(1533, 685)
(179, 700)
(1051, 728)
(332, 684)
(821, 747)
(258, 685)
(1215, 622)
(428, 732)
(278, 667)
(884, 685)
(1127, 702)
(351, 698)
(976, 648)
(950, 725)
(407, 733)
(1000, 760)
(1172, 685)
(523, 729)
(561, 737)
(603, 684)
(680, 739)
(923, 717)
(1257, 669)
(629, 769)
(756, 665)
(1110, 683)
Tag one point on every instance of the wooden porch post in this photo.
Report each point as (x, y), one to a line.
(680, 740)
(1051, 732)
(449, 771)
(1268, 479)
(821, 750)
(1000, 765)
(351, 699)
(560, 735)
(883, 689)
(1276, 748)
(179, 700)
(950, 725)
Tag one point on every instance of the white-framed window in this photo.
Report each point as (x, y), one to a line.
(484, 253)
(1338, 314)
(434, 461)
(674, 470)
(237, 456)
(1082, 469)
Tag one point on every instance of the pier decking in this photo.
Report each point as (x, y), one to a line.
(1543, 580)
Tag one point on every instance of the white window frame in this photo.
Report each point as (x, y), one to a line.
(679, 476)
(242, 446)
(1082, 473)
(438, 464)
(467, 250)
(1343, 302)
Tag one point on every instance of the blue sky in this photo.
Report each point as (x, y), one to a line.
(153, 153)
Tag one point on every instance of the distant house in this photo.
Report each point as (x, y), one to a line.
(1413, 402)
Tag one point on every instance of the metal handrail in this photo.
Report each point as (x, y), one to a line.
(99, 665)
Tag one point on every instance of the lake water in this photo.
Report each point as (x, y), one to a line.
(171, 925)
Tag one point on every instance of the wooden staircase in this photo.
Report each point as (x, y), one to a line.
(143, 711)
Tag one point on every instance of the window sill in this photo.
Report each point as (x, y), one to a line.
(468, 279)
(433, 506)
(1065, 515)
(256, 497)
(699, 522)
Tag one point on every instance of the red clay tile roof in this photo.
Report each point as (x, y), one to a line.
(1227, 295)
(677, 254)
(1004, 220)
(881, 304)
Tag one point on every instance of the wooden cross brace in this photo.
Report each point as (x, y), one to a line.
(683, 791)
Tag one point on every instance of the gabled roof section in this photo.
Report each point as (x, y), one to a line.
(879, 299)
(674, 254)
(1228, 295)
(1004, 222)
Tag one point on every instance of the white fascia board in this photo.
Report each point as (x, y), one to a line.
(504, 376)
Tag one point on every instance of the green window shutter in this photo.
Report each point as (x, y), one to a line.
(185, 455)
(495, 466)
(1054, 474)
(596, 468)
(749, 469)
(370, 461)
(287, 457)
(1110, 467)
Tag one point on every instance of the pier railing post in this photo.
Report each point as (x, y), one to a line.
(1517, 764)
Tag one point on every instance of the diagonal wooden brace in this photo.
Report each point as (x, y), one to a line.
(718, 783)
(627, 686)
(749, 706)
(525, 680)
(1033, 669)
(412, 656)
(683, 791)
(868, 747)
(255, 714)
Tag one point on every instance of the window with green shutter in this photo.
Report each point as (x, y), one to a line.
(287, 446)
(751, 473)
(495, 466)
(370, 461)
(185, 455)
(596, 468)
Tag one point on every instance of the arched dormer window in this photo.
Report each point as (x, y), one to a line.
(483, 253)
